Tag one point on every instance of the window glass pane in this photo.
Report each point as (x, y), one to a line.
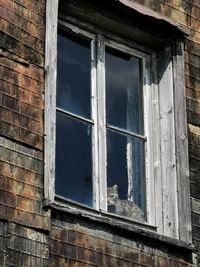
(73, 75)
(123, 91)
(125, 175)
(73, 159)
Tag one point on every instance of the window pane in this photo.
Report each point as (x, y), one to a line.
(125, 168)
(73, 159)
(73, 75)
(123, 91)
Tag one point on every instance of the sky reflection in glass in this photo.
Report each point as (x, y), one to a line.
(123, 91)
(73, 75)
(73, 159)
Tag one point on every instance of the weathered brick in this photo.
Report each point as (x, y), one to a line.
(109, 261)
(13, 257)
(31, 5)
(65, 250)
(19, 34)
(164, 262)
(131, 255)
(31, 138)
(32, 112)
(148, 260)
(195, 189)
(15, 46)
(87, 255)
(100, 245)
(77, 238)
(59, 234)
(40, 221)
(196, 231)
(10, 103)
(8, 4)
(7, 198)
(180, 264)
(121, 263)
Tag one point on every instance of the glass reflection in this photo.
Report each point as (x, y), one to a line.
(125, 167)
(123, 91)
(73, 75)
(73, 159)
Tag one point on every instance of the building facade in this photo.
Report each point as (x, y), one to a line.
(100, 133)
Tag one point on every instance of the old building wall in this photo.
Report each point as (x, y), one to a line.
(32, 236)
(21, 134)
(187, 14)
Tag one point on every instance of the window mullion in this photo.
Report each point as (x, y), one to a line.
(95, 127)
(101, 122)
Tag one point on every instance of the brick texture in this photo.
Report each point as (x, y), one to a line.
(29, 236)
(22, 71)
(23, 246)
(84, 246)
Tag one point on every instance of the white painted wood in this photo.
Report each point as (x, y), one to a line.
(126, 132)
(75, 29)
(165, 128)
(168, 159)
(95, 154)
(101, 121)
(124, 48)
(50, 98)
(156, 171)
(129, 145)
(147, 130)
(183, 186)
(152, 131)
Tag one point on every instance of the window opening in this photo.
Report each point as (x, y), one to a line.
(78, 129)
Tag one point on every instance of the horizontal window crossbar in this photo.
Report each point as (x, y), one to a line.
(75, 116)
(125, 132)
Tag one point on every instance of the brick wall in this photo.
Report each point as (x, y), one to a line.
(86, 244)
(29, 236)
(23, 222)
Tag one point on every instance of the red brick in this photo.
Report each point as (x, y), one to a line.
(147, 259)
(87, 255)
(9, 116)
(109, 261)
(31, 112)
(15, 46)
(36, 127)
(62, 249)
(10, 103)
(8, 4)
(31, 219)
(7, 198)
(29, 205)
(131, 255)
(121, 263)
(164, 262)
(31, 138)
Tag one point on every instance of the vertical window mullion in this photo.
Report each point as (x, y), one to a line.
(95, 156)
(101, 122)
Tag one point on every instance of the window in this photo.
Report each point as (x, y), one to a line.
(115, 125)
(100, 139)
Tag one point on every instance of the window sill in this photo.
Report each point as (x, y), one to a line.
(138, 228)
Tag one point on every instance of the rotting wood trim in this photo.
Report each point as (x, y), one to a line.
(145, 11)
(117, 19)
(109, 220)
(183, 186)
(170, 114)
(50, 97)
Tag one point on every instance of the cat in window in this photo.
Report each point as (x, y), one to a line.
(122, 207)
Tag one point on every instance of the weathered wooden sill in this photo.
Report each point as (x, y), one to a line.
(111, 220)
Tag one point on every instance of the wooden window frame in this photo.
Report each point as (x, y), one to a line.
(167, 175)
